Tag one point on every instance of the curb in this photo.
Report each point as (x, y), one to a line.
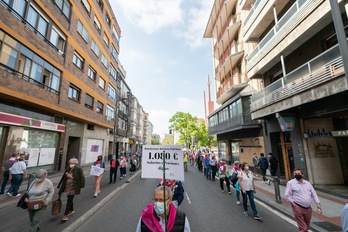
(81, 220)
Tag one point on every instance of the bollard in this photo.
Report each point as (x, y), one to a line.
(276, 182)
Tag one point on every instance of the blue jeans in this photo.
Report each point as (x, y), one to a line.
(17, 181)
(249, 194)
(4, 182)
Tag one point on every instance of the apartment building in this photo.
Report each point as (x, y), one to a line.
(237, 134)
(294, 64)
(60, 81)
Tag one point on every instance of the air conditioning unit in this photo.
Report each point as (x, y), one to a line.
(108, 118)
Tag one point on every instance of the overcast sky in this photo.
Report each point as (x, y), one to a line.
(166, 58)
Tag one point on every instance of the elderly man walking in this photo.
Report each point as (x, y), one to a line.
(299, 193)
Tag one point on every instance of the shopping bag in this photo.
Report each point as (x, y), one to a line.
(96, 171)
(56, 206)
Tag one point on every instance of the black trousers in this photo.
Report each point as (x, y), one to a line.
(69, 204)
(113, 172)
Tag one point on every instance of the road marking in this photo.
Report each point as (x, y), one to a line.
(188, 198)
(292, 222)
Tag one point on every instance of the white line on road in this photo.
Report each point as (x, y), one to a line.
(292, 222)
(188, 199)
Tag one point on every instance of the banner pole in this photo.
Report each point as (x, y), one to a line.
(164, 191)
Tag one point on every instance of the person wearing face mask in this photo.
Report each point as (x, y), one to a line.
(153, 217)
(71, 183)
(299, 193)
(40, 190)
(246, 183)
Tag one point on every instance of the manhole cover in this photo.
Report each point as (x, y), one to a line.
(328, 226)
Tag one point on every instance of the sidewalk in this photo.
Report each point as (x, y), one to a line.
(331, 206)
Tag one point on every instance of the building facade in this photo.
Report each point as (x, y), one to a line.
(60, 78)
(294, 64)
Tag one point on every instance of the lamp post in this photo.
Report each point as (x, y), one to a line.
(125, 100)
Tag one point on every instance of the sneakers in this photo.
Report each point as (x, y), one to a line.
(269, 182)
(246, 213)
(18, 195)
(238, 202)
(9, 194)
(70, 212)
(229, 193)
(65, 218)
(223, 191)
(257, 217)
(95, 195)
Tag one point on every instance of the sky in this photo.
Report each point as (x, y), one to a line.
(165, 56)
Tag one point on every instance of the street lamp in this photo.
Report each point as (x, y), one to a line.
(126, 101)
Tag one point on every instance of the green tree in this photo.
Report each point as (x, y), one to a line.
(169, 139)
(186, 125)
(155, 142)
(203, 138)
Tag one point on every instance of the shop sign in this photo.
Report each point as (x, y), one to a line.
(30, 122)
(340, 133)
(317, 133)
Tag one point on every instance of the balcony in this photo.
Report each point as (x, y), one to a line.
(227, 36)
(323, 69)
(237, 122)
(219, 13)
(230, 88)
(246, 4)
(290, 20)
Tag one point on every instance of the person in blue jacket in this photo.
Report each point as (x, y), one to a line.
(263, 163)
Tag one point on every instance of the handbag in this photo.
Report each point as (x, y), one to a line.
(35, 205)
(21, 203)
(56, 206)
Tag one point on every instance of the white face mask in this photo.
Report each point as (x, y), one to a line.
(246, 168)
(72, 165)
(38, 179)
(159, 208)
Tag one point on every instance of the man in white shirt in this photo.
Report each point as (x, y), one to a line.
(17, 173)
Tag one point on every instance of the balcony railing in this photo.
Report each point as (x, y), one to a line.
(317, 71)
(255, 10)
(297, 12)
(234, 122)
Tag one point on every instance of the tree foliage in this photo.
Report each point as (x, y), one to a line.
(191, 130)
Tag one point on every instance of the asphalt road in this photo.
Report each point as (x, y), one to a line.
(207, 208)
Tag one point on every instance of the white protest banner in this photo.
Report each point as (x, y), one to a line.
(96, 171)
(152, 162)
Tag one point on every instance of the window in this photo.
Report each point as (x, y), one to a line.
(92, 73)
(64, 6)
(18, 6)
(100, 107)
(101, 83)
(114, 53)
(8, 56)
(74, 93)
(78, 60)
(106, 39)
(104, 61)
(86, 5)
(107, 19)
(89, 101)
(100, 3)
(37, 21)
(114, 35)
(112, 72)
(110, 112)
(97, 24)
(111, 93)
(58, 39)
(82, 31)
(95, 48)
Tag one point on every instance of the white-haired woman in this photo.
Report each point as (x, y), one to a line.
(71, 183)
(41, 189)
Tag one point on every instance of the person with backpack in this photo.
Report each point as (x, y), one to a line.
(234, 179)
(263, 163)
(177, 189)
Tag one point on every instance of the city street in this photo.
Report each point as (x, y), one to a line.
(207, 208)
